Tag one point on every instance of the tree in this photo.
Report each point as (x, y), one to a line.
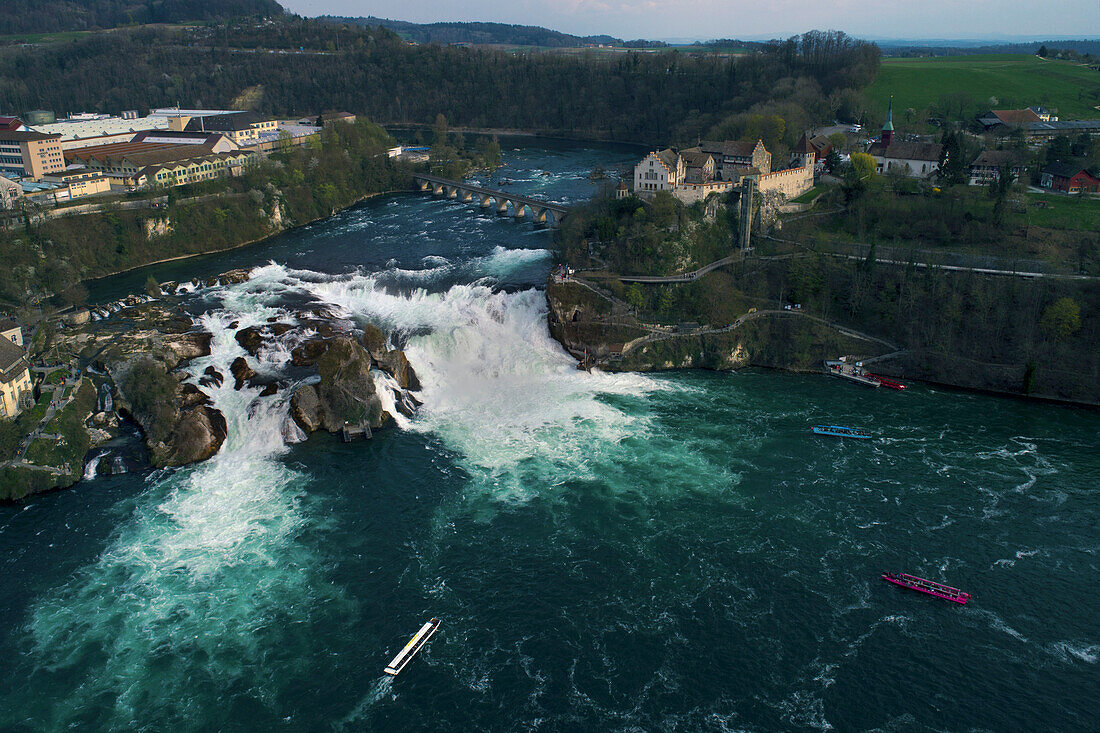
(863, 166)
(1062, 318)
(633, 295)
(439, 131)
(1043, 51)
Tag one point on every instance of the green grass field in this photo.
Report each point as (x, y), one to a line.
(1016, 80)
(1079, 213)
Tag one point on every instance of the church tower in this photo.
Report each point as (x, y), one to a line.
(888, 128)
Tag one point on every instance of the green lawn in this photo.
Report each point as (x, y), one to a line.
(1016, 80)
(1080, 213)
(810, 195)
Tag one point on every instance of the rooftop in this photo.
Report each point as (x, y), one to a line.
(900, 150)
(229, 121)
(25, 136)
(12, 360)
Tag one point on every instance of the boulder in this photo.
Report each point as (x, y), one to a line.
(308, 352)
(198, 435)
(396, 364)
(374, 341)
(305, 408)
(253, 337)
(215, 376)
(241, 372)
(191, 396)
(345, 394)
(233, 277)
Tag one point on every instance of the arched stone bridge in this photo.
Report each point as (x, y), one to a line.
(542, 212)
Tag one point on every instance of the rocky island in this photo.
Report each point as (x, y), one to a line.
(137, 368)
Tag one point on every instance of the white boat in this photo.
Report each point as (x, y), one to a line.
(415, 644)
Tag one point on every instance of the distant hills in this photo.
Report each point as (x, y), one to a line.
(478, 33)
(967, 48)
(52, 16)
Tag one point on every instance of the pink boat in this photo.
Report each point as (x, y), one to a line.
(930, 587)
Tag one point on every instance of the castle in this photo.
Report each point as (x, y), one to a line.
(695, 173)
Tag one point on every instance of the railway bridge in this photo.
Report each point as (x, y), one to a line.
(542, 212)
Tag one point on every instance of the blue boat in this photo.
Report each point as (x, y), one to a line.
(839, 432)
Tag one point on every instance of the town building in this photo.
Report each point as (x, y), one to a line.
(30, 154)
(240, 127)
(1046, 130)
(11, 331)
(731, 157)
(79, 183)
(919, 160)
(286, 134)
(988, 165)
(328, 118)
(1068, 178)
(11, 124)
(179, 157)
(1007, 119)
(1045, 115)
(87, 129)
(11, 193)
(16, 389)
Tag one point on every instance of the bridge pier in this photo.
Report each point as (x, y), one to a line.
(542, 212)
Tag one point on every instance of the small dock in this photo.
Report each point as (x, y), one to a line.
(854, 372)
(350, 432)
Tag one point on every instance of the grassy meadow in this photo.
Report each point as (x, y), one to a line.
(1016, 80)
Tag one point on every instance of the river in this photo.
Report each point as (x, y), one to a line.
(627, 552)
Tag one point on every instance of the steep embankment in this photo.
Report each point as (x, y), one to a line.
(1036, 338)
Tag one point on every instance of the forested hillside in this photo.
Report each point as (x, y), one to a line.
(479, 33)
(653, 98)
(50, 16)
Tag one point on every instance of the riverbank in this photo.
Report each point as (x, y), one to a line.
(258, 240)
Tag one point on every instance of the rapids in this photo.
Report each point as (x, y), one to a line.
(607, 552)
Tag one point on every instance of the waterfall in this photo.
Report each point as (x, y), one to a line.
(93, 465)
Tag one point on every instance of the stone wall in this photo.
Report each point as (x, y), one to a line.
(792, 182)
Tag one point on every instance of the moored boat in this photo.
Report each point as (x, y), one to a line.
(420, 638)
(887, 382)
(930, 587)
(841, 432)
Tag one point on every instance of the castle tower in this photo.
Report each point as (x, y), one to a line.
(888, 128)
(804, 153)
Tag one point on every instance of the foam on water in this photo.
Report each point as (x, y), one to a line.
(496, 387)
(191, 593)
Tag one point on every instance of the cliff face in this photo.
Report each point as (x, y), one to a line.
(618, 342)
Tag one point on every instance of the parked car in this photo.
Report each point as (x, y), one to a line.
(855, 128)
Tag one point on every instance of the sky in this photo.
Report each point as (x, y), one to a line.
(749, 19)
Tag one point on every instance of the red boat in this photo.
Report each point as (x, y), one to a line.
(886, 382)
(930, 587)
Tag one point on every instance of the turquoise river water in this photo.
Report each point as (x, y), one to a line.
(607, 552)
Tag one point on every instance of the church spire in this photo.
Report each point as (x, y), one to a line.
(888, 128)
